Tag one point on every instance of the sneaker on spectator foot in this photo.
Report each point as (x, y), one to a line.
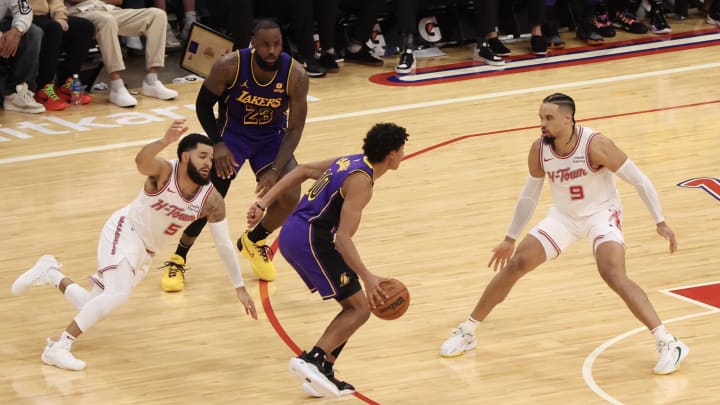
(628, 22)
(49, 99)
(713, 19)
(458, 343)
(134, 43)
(538, 45)
(555, 42)
(312, 67)
(658, 23)
(587, 33)
(171, 41)
(309, 371)
(157, 90)
(173, 278)
(406, 63)
(602, 23)
(327, 60)
(58, 354)
(23, 100)
(36, 275)
(122, 97)
(483, 53)
(498, 47)
(672, 353)
(65, 92)
(364, 57)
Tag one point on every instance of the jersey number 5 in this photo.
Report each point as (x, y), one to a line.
(172, 229)
(576, 193)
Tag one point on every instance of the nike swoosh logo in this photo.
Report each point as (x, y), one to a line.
(677, 360)
(547, 160)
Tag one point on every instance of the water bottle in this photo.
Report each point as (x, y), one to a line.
(76, 89)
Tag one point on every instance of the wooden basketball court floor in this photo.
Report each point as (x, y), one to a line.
(561, 337)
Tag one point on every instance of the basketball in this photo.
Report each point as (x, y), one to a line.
(397, 303)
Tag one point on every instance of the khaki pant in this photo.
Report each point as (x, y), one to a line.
(148, 22)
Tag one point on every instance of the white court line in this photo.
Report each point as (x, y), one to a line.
(590, 359)
(403, 107)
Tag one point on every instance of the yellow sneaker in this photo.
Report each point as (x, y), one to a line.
(173, 278)
(257, 253)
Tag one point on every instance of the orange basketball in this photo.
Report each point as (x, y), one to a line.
(397, 303)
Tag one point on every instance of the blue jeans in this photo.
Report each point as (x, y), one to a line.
(25, 63)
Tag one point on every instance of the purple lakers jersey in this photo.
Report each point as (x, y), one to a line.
(322, 204)
(255, 110)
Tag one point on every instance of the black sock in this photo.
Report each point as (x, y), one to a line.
(182, 250)
(259, 233)
(336, 353)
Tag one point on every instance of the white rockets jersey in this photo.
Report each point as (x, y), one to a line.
(578, 191)
(163, 215)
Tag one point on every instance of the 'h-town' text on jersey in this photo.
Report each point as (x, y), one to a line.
(160, 216)
(255, 110)
(577, 189)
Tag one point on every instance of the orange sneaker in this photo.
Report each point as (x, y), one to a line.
(47, 97)
(65, 91)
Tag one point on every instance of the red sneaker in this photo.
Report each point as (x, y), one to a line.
(47, 97)
(65, 91)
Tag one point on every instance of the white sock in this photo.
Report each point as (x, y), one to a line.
(66, 338)
(190, 16)
(661, 333)
(116, 84)
(151, 78)
(354, 48)
(55, 276)
(470, 325)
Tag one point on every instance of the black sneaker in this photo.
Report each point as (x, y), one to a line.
(343, 387)
(628, 22)
(587, 33)
(538, 45)
(498, 47)
(328, 61)
(602, 23)
(658, 24)
(364, 57)
(406, 63)
(486, 54)
(314, 68)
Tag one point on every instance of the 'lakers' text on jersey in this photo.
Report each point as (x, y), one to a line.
(322, 204)
(157, 217)
(252, 109)
(578, 190)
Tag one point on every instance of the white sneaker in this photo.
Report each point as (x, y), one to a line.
(58, 354)
(37, 275)
(23, 100)
(171, 41)
(310, 390)
(712, 21)
(134, 43)
(185, 33)
(308, 373)
(122, 98)
(458, 343)
(672, 353)
(157, 90)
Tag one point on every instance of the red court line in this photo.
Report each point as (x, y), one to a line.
(265, 297)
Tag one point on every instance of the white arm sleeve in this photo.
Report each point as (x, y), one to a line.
(631, 174)
(224, 246)
(525, 206)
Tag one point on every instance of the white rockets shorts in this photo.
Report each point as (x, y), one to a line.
(557, 231)
(118, 241)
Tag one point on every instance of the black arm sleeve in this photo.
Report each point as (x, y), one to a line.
(204, 104)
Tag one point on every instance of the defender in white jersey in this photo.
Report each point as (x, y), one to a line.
(175, 194)
(580, 165)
